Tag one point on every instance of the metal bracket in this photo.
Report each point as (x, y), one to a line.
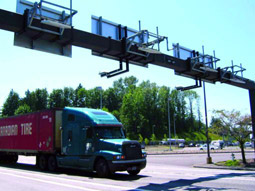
(141, 40)
(63, 22)
(232, 71)
(203, 63)
(197, 85)
(117, 71)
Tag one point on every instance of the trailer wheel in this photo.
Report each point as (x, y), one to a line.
(102, 168)
(52, 163)
(43, 162)
(133, 172)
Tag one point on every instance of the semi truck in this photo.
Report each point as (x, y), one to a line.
(76, 138)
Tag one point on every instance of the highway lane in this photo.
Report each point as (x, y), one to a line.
(189, 160)
(164, 172)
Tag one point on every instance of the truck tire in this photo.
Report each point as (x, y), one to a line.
(133, 172)
(14, 159)
(52, 163)
(102, 168)
(43, 162)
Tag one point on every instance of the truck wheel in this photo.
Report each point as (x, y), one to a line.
(102, 168)
(133, 172)
(43, 162)
(52, 163)
(14, 159)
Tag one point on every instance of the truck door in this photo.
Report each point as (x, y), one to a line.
(87, 147)
(71, 142)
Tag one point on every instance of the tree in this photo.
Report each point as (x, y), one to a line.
(56, 99)
(191, 95)
(23, 109)
(81, 97)
(76, 97)
(242, 131)
(68, 99)
(239, 126)
(41, 99)
(29, 100)
(218, 128)
(11, 104)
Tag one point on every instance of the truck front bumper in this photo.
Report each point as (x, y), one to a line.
(123, 165)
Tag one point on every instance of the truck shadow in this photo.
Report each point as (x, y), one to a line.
(191, 184)
(71, 172)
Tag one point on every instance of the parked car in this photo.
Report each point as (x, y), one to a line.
(247, 144)
(204, 147)
(191, 145)
(164, 143)
(181, 145)
(218, 143)
(197, 145)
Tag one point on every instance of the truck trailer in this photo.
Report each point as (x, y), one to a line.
(76, 138)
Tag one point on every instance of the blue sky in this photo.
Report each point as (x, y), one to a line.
(224, 26)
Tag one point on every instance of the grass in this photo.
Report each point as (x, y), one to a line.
(230, 163)
(160, 148)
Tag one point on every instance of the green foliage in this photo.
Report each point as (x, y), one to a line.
(142, 108)
(153, 138)
(238, 126)
(140, 138)
(11, 104)
(232, 163)
(56, 99)
(23, 109)
(165, 137)
(146, 141)
(214, 136)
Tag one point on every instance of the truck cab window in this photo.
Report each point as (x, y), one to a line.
(89, 133)
(71, 117)
(109, 132)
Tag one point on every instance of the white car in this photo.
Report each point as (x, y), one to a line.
(204, 147)
(247, 144)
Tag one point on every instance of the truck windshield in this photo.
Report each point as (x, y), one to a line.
(109, 132)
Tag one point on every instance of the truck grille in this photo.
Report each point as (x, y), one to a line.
(132, 150)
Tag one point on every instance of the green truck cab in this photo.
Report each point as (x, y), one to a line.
(94, 140)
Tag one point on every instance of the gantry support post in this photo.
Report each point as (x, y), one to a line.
(252, 104)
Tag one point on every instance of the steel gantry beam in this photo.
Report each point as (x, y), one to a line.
(113, 48)
(116, 49)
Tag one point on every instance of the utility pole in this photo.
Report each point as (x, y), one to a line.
(169, 125)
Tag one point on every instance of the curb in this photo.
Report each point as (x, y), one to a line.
(171, 153)
(212, 166)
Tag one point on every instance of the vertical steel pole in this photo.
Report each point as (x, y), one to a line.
(71, 11)
(214, 60)
(101, 101)
(158, 39)
(174, 130)
(252, 105)
(169, 125)
(209, 159)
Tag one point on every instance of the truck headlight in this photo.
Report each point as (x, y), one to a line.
(118, 157)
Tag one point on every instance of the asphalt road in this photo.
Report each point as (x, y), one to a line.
(163, 172)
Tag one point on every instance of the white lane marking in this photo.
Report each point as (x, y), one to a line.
(71, 180)
(48, 182)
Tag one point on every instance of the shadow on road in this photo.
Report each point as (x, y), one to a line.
(187, 184)
(71, 172)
